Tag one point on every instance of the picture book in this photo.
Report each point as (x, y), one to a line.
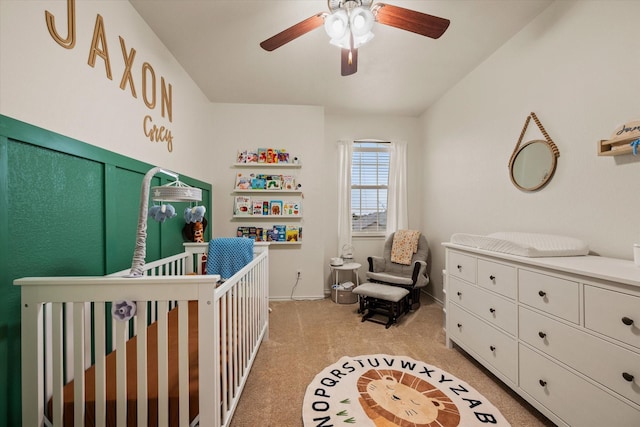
(258, 183)
(242, 156)
(283, 156)
(282, 232)
(265, 207)
(292, 234)
(291, 208)
(272, 234)
(252, 156)
(288, 182)
(257, 207)
(243, 182)
(272, 155)
(242, 205)
(273, 182)
(275, 207)
(262, 155)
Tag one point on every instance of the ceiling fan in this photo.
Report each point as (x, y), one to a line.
(349, 24)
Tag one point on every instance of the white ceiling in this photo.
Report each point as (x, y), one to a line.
(399, 72)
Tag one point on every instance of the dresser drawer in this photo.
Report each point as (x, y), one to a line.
(572, 398)
(462, 266)
(492, 308)
(497, 277)
(550, 294)
(613, 314)
(494, 347)
(598, 359)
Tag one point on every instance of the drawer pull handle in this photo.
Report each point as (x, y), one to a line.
(459, 294)
(542, 383)
(542, 293)
(492, 348)
(542, 334)
(492, 277)
(627, 321)
(459, 325)
(627, 376)
(459, 267)
(492, 310)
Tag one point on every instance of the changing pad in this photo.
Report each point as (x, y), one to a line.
(524, 244)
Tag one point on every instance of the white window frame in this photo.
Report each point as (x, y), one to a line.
(381, 146)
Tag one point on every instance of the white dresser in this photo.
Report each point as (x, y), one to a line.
(563, 332)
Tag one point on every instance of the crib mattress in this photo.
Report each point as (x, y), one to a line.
(152, 363)
(524, 244)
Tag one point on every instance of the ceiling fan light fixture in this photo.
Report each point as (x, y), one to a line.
(337, 25)
(362, 20)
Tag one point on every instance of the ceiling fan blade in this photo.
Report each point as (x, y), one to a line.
(293, 32)
(349, 61)
(411, 20)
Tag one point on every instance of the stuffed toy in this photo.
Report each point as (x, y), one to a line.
(160, 213)
(194, 214)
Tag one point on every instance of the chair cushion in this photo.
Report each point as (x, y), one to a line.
(378, 290)
(390, 278)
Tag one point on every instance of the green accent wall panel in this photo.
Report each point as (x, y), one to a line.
(67, 208)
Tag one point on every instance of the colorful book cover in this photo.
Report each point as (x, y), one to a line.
(291, 208)
(288, 182)
(275, 207)
(272, 155)
(282, 232)
(258, 183)
(243, 232)
(272, 234)
(262, 155)
(283, 156)
(242, 205)
(252, 156)
(265, 207)
(273, 182)
(243, 182)
(242, 156)
(257, 207)
(292, 233)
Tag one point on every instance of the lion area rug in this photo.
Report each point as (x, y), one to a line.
(388, 391)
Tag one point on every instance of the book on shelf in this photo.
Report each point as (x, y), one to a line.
(291, 208)
(262, 155)
(288, 182)
(243, 182)
(242, 205)
(292, 233)
(275, 207)
(257, 207)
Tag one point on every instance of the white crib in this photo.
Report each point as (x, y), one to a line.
(66, 327)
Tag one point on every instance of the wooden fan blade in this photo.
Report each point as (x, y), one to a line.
(293, 32)
(349, 61)
(411, 20)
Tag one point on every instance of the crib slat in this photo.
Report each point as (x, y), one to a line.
(121, 372)
(58, 363)
(32, 363)
(163, 365)
(78, 366)
(100, 365)
(224, 353)
(183, 362)
(141, 355)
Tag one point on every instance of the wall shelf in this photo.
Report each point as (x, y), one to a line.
(281, 217)
(616, 149)
(295, 192)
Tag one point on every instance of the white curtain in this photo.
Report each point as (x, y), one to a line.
(397, 215)
(345, 151)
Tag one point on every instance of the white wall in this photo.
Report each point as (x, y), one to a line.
(299, 130)
(576, 66)
(386, 128)
(46, 85)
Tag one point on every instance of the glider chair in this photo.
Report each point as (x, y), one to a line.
(395, 279)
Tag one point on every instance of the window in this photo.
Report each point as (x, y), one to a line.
(369, 187)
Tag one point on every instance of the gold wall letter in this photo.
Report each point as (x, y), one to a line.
(148, 69)
(70, 41)
(100, 39)
(128, 62)
(167, 99)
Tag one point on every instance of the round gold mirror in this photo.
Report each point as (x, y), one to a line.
(533, 165)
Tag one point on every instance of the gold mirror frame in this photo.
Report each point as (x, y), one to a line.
(533, 164)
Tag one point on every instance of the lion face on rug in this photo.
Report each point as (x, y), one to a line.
(393, 398)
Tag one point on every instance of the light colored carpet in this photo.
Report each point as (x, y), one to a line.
(307, 336)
